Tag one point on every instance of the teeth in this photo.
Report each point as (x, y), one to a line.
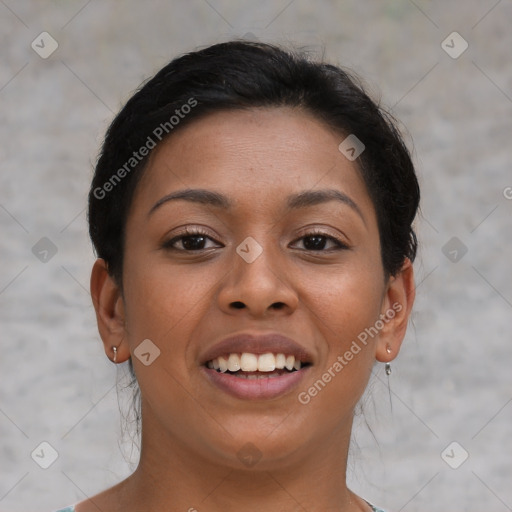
(266, 363)
(223, 364)
(253, 376)
(290, 361)
(280, 361)
(234, 362)
(248, 362)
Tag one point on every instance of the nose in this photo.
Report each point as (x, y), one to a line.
(257, 287)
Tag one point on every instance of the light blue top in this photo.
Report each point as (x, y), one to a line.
(71, 508)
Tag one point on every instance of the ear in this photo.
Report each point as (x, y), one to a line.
(396, 309)
(109, 307)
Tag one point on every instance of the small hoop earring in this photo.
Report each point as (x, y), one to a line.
(115, 354)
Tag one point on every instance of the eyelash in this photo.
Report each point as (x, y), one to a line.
(199, 232)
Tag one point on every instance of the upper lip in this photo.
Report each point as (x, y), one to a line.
(257, 344)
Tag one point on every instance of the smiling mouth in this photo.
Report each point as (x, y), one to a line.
(253, 366)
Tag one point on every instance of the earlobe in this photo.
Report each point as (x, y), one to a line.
(109, 308)
(396, 310)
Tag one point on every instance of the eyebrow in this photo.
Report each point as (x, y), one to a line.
(294, 201)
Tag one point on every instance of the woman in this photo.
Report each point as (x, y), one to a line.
(252, 215)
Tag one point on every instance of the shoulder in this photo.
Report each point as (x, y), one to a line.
(374, 508)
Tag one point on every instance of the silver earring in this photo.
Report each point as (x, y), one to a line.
(115, 353)
(388, 365)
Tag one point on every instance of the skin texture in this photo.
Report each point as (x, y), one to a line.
(185, 302)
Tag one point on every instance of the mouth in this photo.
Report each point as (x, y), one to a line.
(256, 367)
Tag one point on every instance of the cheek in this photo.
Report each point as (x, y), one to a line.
(160, 302)
(345, 301)
(345, 305)
(163, 305)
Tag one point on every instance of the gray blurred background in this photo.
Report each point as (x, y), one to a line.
(452, 381)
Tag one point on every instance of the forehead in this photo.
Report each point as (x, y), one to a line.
(258, 156)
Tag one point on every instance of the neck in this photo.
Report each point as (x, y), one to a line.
(314, 481)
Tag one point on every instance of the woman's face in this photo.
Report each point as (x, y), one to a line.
(265, 264)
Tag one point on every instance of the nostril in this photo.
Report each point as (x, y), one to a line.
(241, 305)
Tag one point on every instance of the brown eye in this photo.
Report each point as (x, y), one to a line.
(191, 240)
(317, 241)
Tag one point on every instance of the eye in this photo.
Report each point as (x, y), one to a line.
(317, 240)
(190, 240)
(195, 240)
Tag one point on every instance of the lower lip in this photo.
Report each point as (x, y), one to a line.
(255, 389)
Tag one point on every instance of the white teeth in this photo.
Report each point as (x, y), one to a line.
(280, 361)
(248, 362)
(223, 364)
(290, 361)
(266, 363)
(234, 362)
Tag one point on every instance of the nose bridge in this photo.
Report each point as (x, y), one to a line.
(256, 262)
(257, 279)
